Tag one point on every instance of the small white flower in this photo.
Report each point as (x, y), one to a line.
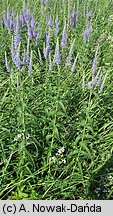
(19, 135)
(63, 161)
(53, 159)
(61, 150)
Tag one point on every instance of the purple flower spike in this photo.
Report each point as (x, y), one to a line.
(99, 79)
(73, 21)
(102, 85)
(32, 23)
(15, 52)
(12, 20)
(94, 63)
(35, 34)
(87, 32)
(17, 26)
(74, 65)
(47, 50)
(47, 47)
(22, 20)
(17, 57)
(57, 57)
(24, 59)
(27, 16)
(49, 22)
(46, 36)
(21, 17)
(16, 40)
(90, 84)
(64, 37)
(46, 1)
(69, 58)
(56, 26)
(11, 24)
(6, 23)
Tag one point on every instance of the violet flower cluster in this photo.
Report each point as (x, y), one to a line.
(24, 25)
(16, 23)
(97, 80)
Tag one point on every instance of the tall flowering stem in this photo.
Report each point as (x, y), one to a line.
(69, 58)
(6, 64)
(87, 32)
(50, 63)
(102, 85)
(56, 26)
(30, 64)
(47, 47)
(16, 33)
(27, 52)
(73, 68)
(40, 57)
(95, 80)
(57, 57)
(17, 57)
(49, 21)
(64, 37)
(99, 79)
(94, 63)
(73, 20)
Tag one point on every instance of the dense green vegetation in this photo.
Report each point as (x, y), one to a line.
(56, 99)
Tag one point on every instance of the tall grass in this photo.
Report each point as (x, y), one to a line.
(56, 133)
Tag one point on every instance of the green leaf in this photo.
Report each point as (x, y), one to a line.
(48, 137)
(62, 106)
(56, 133)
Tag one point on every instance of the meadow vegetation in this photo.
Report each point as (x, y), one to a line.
(56, 99)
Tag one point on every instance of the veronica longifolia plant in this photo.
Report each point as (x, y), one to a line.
(87, 32)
